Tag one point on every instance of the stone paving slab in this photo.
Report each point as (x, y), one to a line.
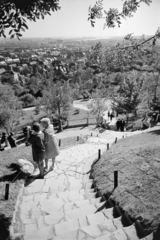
(96, 218)
(41, 234)
(92, 230)
(120, 235)
(108, 212)
(118, 222)
(131, 232)
(117, 235)
(51, 219)
(107, 227)
(66, 227)
(83, 211)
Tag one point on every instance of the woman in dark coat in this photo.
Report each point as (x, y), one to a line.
(38, 146)
(122, 125)
(12, 140)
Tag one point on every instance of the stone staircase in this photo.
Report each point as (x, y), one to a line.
(65, 205)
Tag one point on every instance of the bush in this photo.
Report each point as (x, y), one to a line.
(27, 100)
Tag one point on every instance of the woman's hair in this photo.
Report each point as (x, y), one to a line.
(36, 127)
(46, 121)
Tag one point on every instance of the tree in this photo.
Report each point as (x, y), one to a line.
(98, 104)
(27, 100)
(129, 94)
(57, 101)
(10, 108)
(13, 14)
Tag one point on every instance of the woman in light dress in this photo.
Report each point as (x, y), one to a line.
(51, 144)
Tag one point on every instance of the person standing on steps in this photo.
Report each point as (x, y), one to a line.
(51, 144)
(36, 139)
(111, 116)
(118, 124)
(122, 125)
(12, 140)
(108, 115)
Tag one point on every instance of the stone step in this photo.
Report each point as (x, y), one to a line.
(121, 234)
(52, 206)
(97, 231)
(131, 232)
(30, 211)
(108, 212)
(83, 211)
(57, 184)
(88, 233)
(93, 219)
(65, 195)
(32, 233)
(59, 207)
(67, 207)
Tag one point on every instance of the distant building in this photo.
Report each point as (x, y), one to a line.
(25, 65)
(33, 63)
(9, 60)
(16, 60)
(3, 64)
(2, 70)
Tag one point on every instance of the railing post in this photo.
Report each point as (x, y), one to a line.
(107, 146)
(6, 192)
(115, 179)
(87, 121)
(59, 142)
(116, 140)
(99, 154)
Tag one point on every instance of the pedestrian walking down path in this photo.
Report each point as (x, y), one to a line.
(65, 206)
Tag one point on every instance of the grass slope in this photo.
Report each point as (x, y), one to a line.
(137, 160)
(9, 171)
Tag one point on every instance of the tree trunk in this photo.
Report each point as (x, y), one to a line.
(59, 119)
(60, 126)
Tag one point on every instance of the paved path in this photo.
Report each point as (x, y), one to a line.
(65, 205)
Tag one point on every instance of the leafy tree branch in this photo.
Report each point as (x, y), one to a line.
(113, 16)
(14, 13)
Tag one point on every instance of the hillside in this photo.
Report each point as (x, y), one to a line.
(137, 160)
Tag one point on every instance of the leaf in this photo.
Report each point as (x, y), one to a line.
(10, 31)
(3, 35)
(25, 25)
(23, 29)
(12, 36)
(19, 34)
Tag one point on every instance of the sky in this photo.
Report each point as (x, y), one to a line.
(72, 21)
